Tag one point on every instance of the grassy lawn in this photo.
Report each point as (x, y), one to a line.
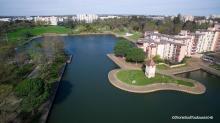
(136, 35)
(162, 67)
(19, 34)
(137, 77)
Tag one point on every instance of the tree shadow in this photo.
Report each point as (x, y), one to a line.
(64, 90)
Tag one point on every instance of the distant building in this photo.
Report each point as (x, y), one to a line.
(88, 18)
(49, 20)
(5, 19)
(22, 18)
(62, 18)
(214, 16)
(185, 18)
(156, 17)
(150, 69)
(108, 17)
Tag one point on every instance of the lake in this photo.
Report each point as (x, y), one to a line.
(86, 96)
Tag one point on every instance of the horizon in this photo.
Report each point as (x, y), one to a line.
(113, 7)
(103, 15)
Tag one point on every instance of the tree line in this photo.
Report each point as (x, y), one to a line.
(137, 23)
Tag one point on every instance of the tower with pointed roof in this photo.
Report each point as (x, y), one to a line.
(150, 69)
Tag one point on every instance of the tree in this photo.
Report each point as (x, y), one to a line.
(52, 47)
(150, 26)
(28, 34)
(135, 55)
(121, 48)
(191, 26)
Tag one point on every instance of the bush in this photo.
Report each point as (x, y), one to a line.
(24, 70)
(33, 92)
(34, 86)
(28, 34)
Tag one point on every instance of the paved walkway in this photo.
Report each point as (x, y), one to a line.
(197, 89)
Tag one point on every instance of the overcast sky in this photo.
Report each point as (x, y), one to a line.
(146, 7)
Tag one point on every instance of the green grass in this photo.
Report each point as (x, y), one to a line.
(136, 35)
(19, 34)
(162, 67)
(129, 76)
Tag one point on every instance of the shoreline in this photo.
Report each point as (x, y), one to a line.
(198, 88)
(80, 34)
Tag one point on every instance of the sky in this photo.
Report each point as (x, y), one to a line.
(139, 7)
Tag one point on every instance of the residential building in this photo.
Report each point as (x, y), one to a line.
(88, 18)
(216, 46)
(169, 50)
(204, 41)
(49, 20)
(62, 18)
(183, 38)
(187, 18)
(108, 17)
(5, 19)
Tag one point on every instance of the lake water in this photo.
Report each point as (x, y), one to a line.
(86, 96)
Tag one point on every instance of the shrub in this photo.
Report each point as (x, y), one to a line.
(27, 87)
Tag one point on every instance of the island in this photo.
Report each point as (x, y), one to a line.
(144, 78)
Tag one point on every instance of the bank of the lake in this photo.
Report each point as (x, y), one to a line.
(197, 88)
(171, 83)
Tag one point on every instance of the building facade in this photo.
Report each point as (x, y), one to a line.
(49, 20)
(168, 50)
(216, 46)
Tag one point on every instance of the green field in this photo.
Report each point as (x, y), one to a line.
(20, 33)
(136, 35)
(137, 77)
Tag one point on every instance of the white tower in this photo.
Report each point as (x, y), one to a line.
(150, 69)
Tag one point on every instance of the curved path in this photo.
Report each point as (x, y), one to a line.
(197, 89)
